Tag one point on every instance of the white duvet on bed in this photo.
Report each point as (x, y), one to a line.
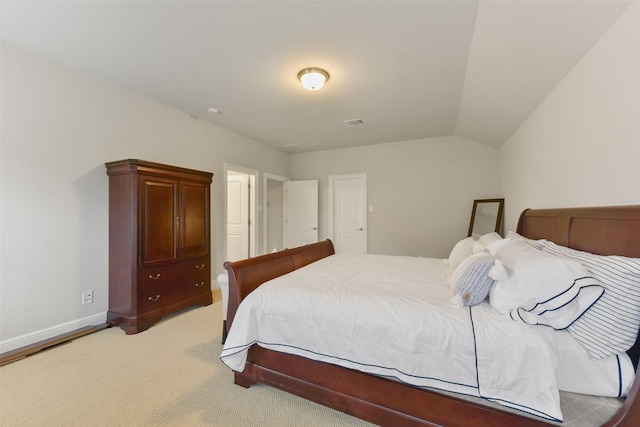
(391, 316)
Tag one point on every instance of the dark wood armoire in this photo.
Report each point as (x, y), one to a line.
(159, 242)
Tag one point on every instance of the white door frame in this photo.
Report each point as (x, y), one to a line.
(330, 225)
(267, 176)
(253, 179)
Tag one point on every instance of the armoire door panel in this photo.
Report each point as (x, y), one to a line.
(159, 220)
(194, 224)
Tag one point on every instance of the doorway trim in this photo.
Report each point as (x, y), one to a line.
(253, 179)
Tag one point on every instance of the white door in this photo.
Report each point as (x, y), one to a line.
(237, 217)
(300, 213)
(348, 213)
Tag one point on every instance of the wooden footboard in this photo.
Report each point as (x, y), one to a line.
(248, 274)
(609, 230)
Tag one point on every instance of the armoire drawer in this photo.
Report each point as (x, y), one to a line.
(194, 286)
(184, 272)
(198, 268)
(195, 273)
(155, 298)
(151, 299)
(155, 277)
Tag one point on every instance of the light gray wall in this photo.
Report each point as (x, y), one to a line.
(581, 147)
(422, 191)
(59, 127)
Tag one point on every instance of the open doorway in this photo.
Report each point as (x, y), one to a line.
(273, 212)
(240, 213)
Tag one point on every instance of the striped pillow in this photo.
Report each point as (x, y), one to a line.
(470, 282)
(536, 244)
(611, 325)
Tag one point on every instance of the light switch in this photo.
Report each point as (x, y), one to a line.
(370, 208)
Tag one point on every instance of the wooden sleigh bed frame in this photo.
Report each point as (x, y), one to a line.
(613, 230)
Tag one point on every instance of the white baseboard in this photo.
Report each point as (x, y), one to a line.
(48, 333)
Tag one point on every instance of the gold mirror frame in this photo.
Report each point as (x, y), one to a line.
(486, 217)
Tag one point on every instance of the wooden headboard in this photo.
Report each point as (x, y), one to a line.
(604, 230)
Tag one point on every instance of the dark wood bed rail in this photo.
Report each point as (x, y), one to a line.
(600, 230)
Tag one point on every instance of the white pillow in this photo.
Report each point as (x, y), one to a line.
(471, 282)
(577, 372)
(460, 251)
(485, 240)
(543, 289)
(495, 246)
(611, 325)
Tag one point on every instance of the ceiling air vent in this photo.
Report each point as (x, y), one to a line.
(354, 122)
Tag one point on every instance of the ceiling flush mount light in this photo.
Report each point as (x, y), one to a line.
(313, 78)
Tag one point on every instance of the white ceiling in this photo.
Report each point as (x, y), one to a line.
(410, 69)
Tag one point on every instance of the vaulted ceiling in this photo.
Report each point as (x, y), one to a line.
(409, 69)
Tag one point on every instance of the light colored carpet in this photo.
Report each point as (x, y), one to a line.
(169, 375)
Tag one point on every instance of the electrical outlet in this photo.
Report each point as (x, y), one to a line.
(87, 297)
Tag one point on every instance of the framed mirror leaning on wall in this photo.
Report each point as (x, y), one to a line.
(486, 217)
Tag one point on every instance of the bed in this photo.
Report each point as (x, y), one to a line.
(383, 401)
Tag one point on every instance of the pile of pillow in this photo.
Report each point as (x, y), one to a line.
(473, 270)
(595, 299)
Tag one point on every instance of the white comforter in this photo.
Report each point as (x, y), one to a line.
(391, 316)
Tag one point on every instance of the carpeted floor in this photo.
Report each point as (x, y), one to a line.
(169, 375)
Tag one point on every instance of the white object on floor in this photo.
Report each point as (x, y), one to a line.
(223, 281)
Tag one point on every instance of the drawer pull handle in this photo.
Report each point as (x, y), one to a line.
(156, 298)
(199, 285)
(156, 277)
(199, 267)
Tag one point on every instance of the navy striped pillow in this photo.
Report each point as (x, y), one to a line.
(536, 244)
(470, 282)
(611, 325)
